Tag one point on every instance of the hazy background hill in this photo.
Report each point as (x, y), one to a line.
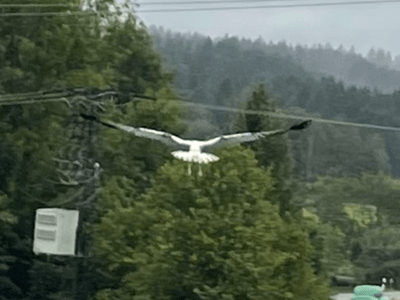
(322, 81)
(378, 70)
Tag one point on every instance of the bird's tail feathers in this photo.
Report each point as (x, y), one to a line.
(200, 158)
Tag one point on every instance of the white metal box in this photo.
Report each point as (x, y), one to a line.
(55, 231)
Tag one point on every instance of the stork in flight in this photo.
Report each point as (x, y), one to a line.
(194, 151)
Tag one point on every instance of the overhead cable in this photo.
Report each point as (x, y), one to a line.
(285, 116)
(207, 2)
(34, 5)
(320, 4)
(226, 109)
(31, 96)
(48, 14)
(93, 13)
(34, 101)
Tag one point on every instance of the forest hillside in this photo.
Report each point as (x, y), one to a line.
(325, 82)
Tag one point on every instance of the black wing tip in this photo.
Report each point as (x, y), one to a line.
(108, 125)
(96, 119)
(89, 117)
(302, 125)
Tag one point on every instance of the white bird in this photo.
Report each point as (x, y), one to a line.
(384, 281)
(193, 151)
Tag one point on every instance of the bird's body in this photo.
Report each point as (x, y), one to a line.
(195, 156)
(195, 151)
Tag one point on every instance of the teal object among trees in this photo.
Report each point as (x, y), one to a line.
(368, 292)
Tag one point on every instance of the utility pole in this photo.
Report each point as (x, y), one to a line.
(79, 169)
(78, 173)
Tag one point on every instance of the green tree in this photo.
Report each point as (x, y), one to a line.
(74, 50)
(223, 98)
(207, 237)
(39, 53)
(10, 290)
(272, 152)
(30, 138)
(379, 253)
(332, 194)
(354, 206)
(330, 246)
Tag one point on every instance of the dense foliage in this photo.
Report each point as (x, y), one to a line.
(209, 237)
(200, 61)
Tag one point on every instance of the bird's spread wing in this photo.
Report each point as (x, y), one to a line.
(164, 137)
(238, 138)
(161, 136)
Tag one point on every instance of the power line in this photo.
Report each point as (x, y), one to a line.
(47, 14)
(87, 13)
(30, 5)
(219, 108)
(207, 2)
(23, 5)
(286, 116)
(267, 6)
(33, 101)
(31, 96)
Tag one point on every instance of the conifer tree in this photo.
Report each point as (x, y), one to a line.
(209, 237)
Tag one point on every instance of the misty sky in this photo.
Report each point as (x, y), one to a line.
(363, 26)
